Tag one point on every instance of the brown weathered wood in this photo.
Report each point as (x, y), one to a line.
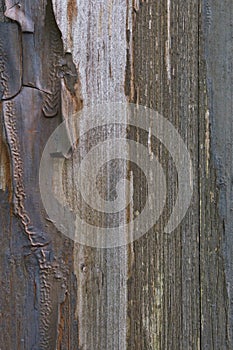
(165, 290)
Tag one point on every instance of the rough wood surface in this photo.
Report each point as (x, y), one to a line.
(165, 290)
(216, 176)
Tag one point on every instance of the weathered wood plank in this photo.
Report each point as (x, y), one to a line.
(216, 174)
(166, 290)
(95, 34)
(164, 300)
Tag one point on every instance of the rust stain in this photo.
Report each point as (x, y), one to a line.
(129, 84)
(72, 10)
(78, 100)
(61, 325)
(5, 168)
(72, 13)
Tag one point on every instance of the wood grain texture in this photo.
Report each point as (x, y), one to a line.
(96, 37)
(37, 275)
(164, 291)
(11, 61)
(217, 176)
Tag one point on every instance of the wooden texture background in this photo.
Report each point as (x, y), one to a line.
(164, 291)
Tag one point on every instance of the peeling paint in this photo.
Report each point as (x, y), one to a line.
(92, 53)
